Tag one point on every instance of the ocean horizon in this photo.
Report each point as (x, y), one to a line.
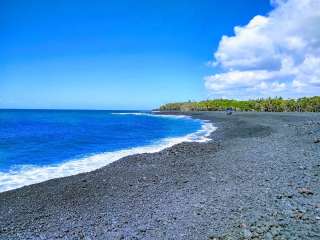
(42, 144)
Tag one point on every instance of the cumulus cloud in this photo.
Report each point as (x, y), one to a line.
(276, 53)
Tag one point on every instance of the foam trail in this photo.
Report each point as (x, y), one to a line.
(34, 174)
(152, 115)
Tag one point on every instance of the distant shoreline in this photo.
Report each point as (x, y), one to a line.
(277, 104)
(257, 177)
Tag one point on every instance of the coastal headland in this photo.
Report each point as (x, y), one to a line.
(258, 178)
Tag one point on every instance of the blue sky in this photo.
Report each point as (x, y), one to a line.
(121, 54)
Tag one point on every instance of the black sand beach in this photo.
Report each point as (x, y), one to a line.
(259, 178)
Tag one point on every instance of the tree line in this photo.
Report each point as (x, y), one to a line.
(277, 104)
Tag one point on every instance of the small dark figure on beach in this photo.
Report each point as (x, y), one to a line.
(229, 111)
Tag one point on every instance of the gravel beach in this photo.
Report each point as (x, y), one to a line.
(258, 178)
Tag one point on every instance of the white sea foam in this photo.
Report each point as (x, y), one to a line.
(34, 174)
(151, 115)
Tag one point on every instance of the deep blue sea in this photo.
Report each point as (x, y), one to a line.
(36, 145)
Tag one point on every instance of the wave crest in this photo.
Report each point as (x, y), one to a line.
(152, 115)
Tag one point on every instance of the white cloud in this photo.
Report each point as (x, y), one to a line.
(274, 53)
(236, 79)
(276, 86)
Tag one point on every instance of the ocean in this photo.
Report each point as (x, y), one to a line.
(37, 145)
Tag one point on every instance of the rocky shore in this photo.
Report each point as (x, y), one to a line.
(259, 178)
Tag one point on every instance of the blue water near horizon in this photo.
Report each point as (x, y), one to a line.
(66, 142)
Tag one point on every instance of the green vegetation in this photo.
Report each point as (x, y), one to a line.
(278, 104)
